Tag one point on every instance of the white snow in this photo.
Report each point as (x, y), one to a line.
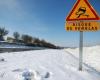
(51, 64)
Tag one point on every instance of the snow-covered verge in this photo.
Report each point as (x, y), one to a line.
(91, 56)
(51, 64)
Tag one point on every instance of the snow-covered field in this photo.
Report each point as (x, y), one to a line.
(51, 64)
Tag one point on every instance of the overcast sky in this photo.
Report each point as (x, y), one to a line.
(44, 19)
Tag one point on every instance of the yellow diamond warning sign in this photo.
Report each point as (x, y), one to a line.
(82, 26)
(82, 10)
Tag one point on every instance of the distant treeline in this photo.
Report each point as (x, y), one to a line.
(25, 39)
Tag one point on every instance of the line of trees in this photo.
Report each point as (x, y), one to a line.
(26, 39)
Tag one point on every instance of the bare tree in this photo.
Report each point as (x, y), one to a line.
(3, 32)
(16, 36)
(27, 38)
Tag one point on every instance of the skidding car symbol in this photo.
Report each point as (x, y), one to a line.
(81, 12)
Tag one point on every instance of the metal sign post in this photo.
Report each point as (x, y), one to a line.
(81, 51)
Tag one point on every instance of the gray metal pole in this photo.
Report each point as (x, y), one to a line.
(81, 51)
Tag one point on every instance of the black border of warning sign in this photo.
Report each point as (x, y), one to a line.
(91, 8)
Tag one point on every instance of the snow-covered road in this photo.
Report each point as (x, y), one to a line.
(59, 64)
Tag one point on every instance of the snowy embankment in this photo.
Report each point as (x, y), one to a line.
(51, 64)
(91, 56)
